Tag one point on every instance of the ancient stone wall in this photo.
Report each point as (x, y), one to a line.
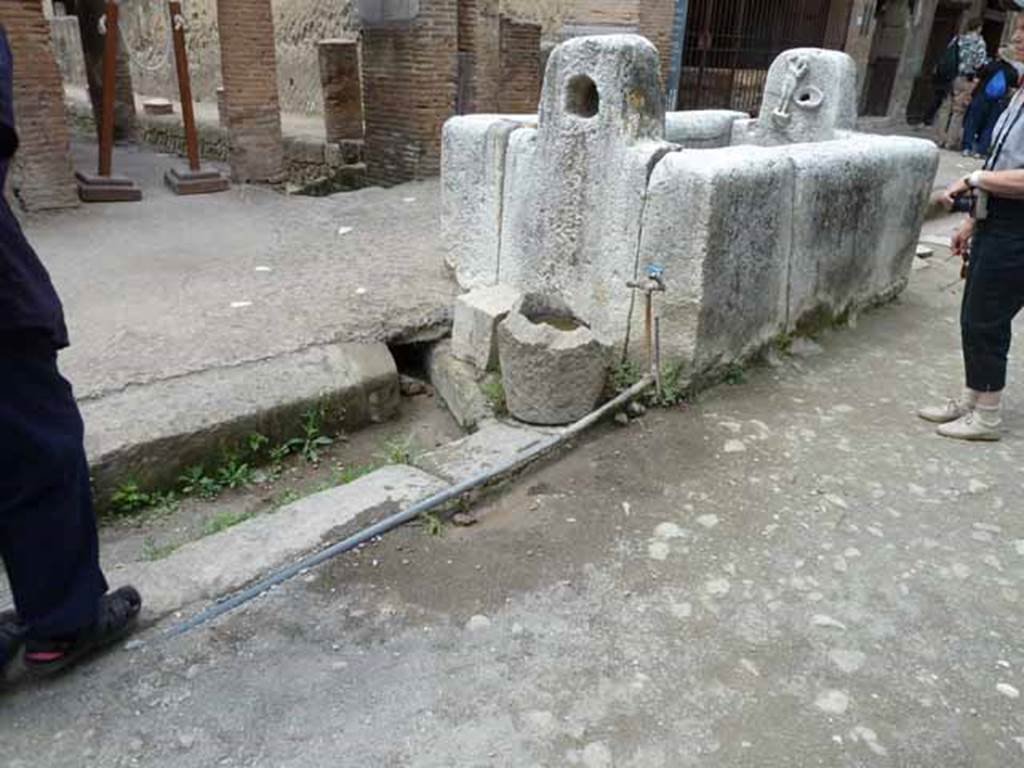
(409, 88)
(42, 173)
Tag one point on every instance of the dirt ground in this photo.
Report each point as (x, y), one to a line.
(792, 571)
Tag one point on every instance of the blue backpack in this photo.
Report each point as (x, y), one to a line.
(997, 87)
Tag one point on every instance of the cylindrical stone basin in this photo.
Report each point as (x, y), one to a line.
(553, 368)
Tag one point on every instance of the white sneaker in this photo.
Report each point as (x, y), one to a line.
(976, 426)
(949, 411)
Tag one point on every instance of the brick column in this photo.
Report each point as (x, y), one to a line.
(43, 177)
(249, 70)
(520, 67)
(479, 46)
(343, 94)
(409, 71)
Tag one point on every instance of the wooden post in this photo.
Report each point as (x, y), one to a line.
(104, 187)
(193, 180)
(109, 84)
(188, 116)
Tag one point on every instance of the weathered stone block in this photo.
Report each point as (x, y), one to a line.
(847, 254)
(702, 129)
(720, 222)
(474, 328)
(574, 187)
(810, 95)
(473, 155)
(552, 367)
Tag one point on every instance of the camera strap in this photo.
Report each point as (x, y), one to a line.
(1009, 124)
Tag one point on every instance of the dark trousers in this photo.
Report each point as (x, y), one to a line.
(980, 123)
(940, 93)
(993, 296)
(48, 535)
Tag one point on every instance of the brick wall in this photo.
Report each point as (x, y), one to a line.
(409, 86)
(42, 175)
(250, 89)
(479, 46)
(655, 23)
(520, 67)
(343, 93)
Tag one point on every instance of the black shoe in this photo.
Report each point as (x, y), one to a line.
(12, 636)
(115, 619)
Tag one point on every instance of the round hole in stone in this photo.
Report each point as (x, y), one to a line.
(805, 97)
(581, 97)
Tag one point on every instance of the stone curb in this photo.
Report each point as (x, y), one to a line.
(225, 562)
(150, 433)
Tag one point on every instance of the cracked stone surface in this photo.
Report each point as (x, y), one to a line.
(173, 285)
(548, 634)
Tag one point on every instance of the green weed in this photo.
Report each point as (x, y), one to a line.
(312, 441)
(224, 520)
(347, 475)
(397, 451)
(151, 551)
(734, 374)
(494, 391)
(433, 524)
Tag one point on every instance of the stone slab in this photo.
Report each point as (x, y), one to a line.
(217, 565)
(473, 157)
(457, 384)
(702, 128)
(491, 446)
(725, 254)
(475, 324)
(151, 433)
(851, 254)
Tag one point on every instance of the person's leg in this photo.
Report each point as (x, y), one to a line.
(942, 90)
(48, 538)
(48, 535)
(993, 296)
(972, 122)
(992, 116)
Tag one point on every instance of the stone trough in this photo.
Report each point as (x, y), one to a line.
(763, 225)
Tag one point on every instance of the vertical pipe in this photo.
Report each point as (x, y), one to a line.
(106, 159)
(184, 84)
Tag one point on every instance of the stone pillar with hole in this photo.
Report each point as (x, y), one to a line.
(343, 93)
(43, 177)
(249, 71)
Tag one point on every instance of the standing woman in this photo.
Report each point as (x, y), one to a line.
(992, 243)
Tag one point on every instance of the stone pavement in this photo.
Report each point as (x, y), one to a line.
(792, 572)
(174, 302)
(175, 285)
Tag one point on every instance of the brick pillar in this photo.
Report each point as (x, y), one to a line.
(409, 70)
(479, 45)
(343, 93)
(43, 177)
(249, 71)
(520, 67)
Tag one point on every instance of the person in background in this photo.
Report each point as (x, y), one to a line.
(957, 67)
(991, 242)
(995, 87)
(48, 538)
